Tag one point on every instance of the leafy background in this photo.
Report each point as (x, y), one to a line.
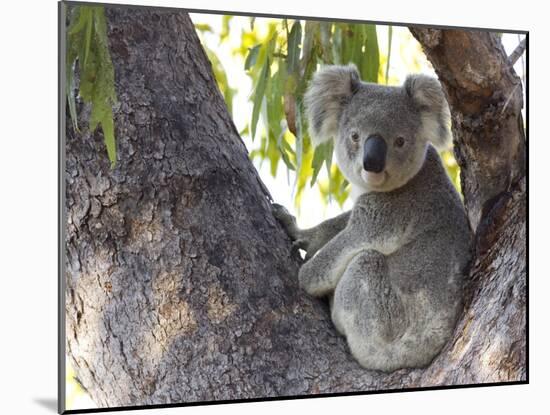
(280, 56)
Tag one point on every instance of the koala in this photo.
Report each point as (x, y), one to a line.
(393, 267)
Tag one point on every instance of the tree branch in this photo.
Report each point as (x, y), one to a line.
(518, 51)
(485, 97)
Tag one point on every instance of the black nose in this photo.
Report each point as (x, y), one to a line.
(374, 154)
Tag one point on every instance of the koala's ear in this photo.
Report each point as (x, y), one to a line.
(325, 98)
(428, 95)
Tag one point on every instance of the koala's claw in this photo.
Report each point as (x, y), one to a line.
(300, 244)
(279, 211)
(286, 220)
(296, 246)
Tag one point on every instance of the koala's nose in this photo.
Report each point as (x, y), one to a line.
(374, 153)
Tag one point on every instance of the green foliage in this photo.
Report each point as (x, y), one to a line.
(390, 37)
(452, 169)
(280, 64)
(252, 57)
(87, 44)
(280, 57)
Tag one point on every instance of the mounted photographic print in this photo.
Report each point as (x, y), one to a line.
(260, 207)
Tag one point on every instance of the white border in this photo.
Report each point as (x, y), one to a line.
(28, 171)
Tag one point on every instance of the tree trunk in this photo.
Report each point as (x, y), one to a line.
(485, 96)
(181, 286)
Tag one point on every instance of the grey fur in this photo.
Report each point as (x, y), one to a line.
(393, 267)
(328, 91)
(427, 93)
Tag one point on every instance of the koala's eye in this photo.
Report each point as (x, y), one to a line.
(355, 137)
(399, 141)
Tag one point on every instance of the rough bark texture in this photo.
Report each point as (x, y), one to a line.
(485, 96)
(180, 284)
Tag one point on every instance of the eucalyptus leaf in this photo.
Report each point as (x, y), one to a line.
(78, 21)
(356, 42)
(372, 54)
(328, 163)
(225, 27)
(87, 43)
(319, 157)
(299, 136)
(259, 96)
(203, 27)
(251, 57)
(325, 42)
(390, 35)
(328, 155)
(89, 26)
(70, 84)
(273, 153)
(287, 161)
(293, 48)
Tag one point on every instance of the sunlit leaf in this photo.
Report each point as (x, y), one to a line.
(311, 36)
(328, 155)
(337, 44)
(203, 27)
(245, 130)
(225, 27)
(299, 136)
(274, 104)
(251, 57)
(372, 54)
(304, 173)
(259, 95)
(390, 35)
(78, 21)
(88, 11)
(286, 146)
(72, 54)
(285, 159)
(328, 163)
(319, 157)
(344, 186)
(452, 168)
(293, 49)
(325, 41)
(308, 63)
(356, 43)
(273, 153)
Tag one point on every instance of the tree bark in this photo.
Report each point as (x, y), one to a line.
(485, 96)
(181, 286)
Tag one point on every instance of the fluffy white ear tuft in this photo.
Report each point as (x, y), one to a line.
(428, 95)
(327, 94)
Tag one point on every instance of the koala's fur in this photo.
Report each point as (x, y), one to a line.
(393, 267)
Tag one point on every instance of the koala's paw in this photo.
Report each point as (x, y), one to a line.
(300, 243)
(286, 220)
